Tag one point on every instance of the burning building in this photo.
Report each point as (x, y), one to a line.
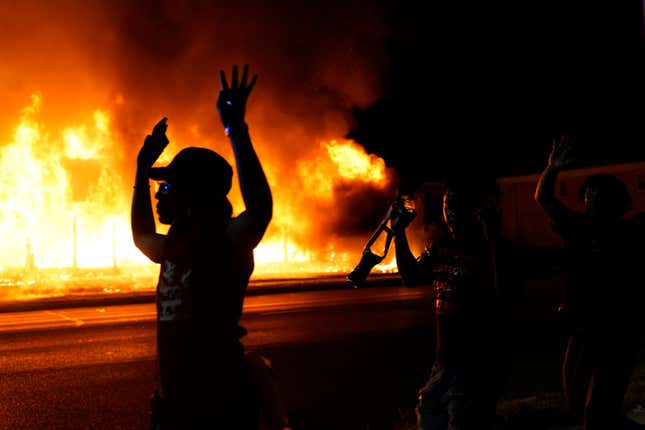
(84, 90)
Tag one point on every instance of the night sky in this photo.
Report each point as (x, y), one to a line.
(483, 87)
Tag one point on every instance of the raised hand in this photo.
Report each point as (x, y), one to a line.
(231, 103)
(562, 152)
(401, 216)
(153, 145)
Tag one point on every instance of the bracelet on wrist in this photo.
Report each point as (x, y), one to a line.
(233, 129)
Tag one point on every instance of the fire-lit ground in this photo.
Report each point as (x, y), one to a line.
(65, 192)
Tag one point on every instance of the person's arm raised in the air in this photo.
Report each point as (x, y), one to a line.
(545, 191)
(142, 219)
(406, 263)
(250, 225)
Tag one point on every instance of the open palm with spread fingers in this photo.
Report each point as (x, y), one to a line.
(231, 103)
(562, 152)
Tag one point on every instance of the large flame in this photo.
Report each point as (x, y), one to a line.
(337, 161)
(59, 194)
(64, 209)
(352, 162)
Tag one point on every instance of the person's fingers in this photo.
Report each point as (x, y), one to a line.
(222, 80)
(234, 82)
(161, 126)
(245, 73)
(251, 84)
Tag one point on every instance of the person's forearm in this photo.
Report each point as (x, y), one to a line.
(253, 182)
(405, 261)
(545, 190)
(141, 217)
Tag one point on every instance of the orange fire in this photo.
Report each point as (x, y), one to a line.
(61, 202)
(65, 204)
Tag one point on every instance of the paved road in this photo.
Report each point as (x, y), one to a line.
(345, 359)
(93, 367)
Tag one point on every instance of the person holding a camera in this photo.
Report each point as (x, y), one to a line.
(469, 277)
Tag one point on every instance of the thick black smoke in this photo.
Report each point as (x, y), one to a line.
(485, 85)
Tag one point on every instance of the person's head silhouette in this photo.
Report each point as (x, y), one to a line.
(464, 200)
(605, 197)
(197, 180)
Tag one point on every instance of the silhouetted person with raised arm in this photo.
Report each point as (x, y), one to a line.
(470, 283)
(603, 293)
(206, 261)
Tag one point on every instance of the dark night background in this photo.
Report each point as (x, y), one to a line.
(482, 87)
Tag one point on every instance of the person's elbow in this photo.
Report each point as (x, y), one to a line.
(264, 214)
(137, 237)
(141, 243)
(541, 198)
(259, 223)
(537, 195)
(150, 245)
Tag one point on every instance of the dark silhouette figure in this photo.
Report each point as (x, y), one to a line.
(603, 294)
(206, 261)
(369, 258)
(468, 272)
